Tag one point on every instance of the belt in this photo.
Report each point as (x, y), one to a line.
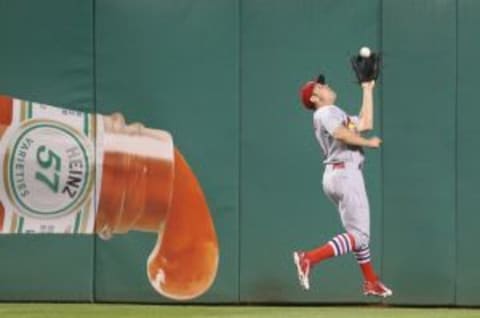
(343, 165)
(338, 165)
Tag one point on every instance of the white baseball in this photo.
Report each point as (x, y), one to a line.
(365, 52)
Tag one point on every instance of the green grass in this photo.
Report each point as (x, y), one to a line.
(21, 310)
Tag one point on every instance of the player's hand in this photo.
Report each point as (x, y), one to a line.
(368, 85)
(374, 142)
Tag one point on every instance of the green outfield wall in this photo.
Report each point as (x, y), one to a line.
(222, 76)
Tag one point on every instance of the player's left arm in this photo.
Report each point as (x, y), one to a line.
(365, 118)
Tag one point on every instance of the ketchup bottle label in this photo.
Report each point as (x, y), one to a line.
(48, 174)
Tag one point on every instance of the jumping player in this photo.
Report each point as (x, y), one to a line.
(339, 136)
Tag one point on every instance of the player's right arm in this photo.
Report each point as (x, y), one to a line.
(332, 119)
(348, 137)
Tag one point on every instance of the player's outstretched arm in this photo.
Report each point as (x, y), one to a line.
(365, 120)
(347, 136)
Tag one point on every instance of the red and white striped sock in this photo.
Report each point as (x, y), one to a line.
(339, 245)
(363, 259)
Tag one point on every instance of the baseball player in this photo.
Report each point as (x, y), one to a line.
(342, 144)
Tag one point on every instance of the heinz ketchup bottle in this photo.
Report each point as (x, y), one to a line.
(141, 183)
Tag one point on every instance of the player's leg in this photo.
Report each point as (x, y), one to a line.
(372, 285)
(305, 260)
(355, 214)
(339, 245)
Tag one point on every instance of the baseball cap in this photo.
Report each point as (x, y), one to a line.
(306, 91)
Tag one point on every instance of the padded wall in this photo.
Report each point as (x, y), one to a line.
(468, 261)
(283, 208)
(223, 78)
(173, 65)
(46, 55)
(419, 150)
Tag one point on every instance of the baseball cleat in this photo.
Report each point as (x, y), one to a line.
(303, 269)
(376, 288)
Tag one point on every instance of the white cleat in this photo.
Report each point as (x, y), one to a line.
(376, 288)
(303, 269)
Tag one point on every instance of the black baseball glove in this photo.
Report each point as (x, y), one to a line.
(366, 68)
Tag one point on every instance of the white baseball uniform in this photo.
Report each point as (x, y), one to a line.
(343, 179)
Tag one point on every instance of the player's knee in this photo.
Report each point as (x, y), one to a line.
(362, 240)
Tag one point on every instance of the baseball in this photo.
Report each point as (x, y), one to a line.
(365, 52)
